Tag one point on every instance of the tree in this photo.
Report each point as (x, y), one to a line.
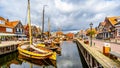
(91, 32)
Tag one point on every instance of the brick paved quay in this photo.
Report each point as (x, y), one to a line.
(100, 43)
(94, 54)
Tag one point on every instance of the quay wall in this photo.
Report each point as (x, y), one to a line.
(7, 48)
(93, 58)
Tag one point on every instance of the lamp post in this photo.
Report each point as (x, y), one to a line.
(91, 24)
(43, 21)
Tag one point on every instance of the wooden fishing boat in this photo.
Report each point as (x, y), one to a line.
(30, 50)
(39, 44)
(48, 42)
(50, 46)
(41, 53)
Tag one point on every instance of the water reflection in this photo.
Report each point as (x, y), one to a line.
(8, 59)
(15, 60)
(36, 62)
(68, 58)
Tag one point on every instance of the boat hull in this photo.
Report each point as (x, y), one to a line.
(34, 55)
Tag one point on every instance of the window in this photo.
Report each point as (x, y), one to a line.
(118, 32)
(1, 22)
(17, 29)
(19, 26)
(21, 31)
(8, 30)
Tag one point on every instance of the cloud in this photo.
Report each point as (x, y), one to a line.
(64, 6)
(64, 14)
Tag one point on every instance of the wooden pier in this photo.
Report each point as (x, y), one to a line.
(9, 47)
(94, 58)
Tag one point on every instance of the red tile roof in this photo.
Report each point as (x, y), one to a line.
(2, 25)
(7, 23)
(12, 24)
(3, 19)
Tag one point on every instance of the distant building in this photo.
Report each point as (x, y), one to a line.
(70, 35)
(100, 30)
(11, 28)
(38, 30)
(117, 30)
(109, 28)
(82, 33)
(35, 30)
(59, 33)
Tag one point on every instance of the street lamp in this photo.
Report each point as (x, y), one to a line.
(91, 24)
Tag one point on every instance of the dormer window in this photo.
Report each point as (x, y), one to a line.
(2, 22)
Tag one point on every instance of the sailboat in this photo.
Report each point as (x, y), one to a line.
(31, 51)
(50, 42)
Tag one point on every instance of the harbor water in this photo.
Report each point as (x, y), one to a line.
(68, 58)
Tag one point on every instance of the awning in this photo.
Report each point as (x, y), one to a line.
(7, 34)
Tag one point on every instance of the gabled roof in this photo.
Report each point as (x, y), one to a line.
(12, 24)
(24, 26)
(38, 29)
(9, 24)
(3, 19)
(59, 32)
(102, 24)
(117, 23)
(113, 20)
(2, 25)
(70, 34)
(82, 32)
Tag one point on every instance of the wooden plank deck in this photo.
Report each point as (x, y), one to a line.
(102, 59)
(9, 43)
(9, 46)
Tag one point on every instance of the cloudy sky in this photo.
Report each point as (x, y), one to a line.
(64, 14)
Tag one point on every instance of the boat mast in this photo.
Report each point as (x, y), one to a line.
(29, 22)
(48, 28)
(43, 22)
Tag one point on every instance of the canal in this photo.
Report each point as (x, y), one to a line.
(69, 58)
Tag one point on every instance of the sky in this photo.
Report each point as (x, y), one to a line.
(66, 15)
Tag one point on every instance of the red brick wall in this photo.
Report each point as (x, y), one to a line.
(2, 29)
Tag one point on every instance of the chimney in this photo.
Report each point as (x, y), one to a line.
(7, 20)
